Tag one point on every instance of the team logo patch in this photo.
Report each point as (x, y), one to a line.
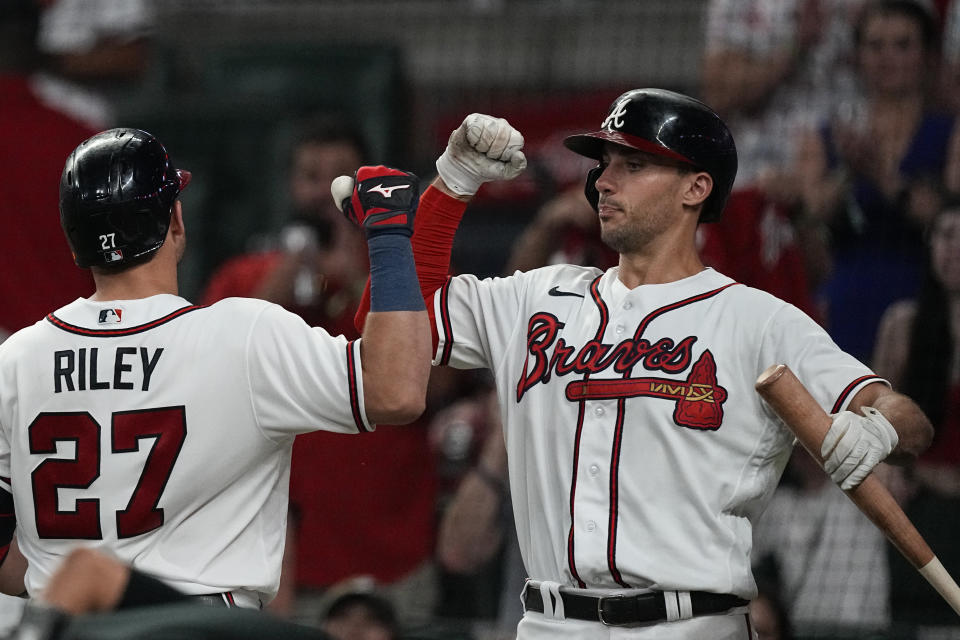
(702, 406)
(110, 316)
(614, 119)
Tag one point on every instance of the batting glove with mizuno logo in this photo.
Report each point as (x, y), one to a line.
(378, 199)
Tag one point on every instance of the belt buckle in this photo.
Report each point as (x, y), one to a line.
(603, 620)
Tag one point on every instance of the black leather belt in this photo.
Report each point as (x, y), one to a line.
(634, 609)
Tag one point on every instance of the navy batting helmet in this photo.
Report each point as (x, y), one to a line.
(667, 124)
(116, 195)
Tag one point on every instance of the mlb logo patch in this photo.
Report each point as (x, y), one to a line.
(110, 316)
(113, 256)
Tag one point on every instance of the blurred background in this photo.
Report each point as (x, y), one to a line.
(224, 83)
(846, 204)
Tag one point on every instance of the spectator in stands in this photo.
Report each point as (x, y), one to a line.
(93, 49)
(34, 139)
(918, 351)
(477, 548)
(372, 524)
(357, 612)
(757, 244)
(830, 560)
(950, 76)
(768, 615)
(564, 230)
(316, 266)
(868, 179)
(772, 68)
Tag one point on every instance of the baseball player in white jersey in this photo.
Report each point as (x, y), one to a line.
(639, 452)
(161, 431)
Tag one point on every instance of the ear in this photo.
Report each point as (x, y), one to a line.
(177, 233)
(698, 188)
(176, 220)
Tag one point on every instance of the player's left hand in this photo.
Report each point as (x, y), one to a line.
(855, 444)
(378, 199)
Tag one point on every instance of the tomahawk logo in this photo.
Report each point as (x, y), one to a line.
(699, 399)
(386, 192)
(108, 316)
(613, 121)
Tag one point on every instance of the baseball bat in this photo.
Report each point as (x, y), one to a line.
(784, 392)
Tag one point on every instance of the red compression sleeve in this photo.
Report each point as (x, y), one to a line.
(434, 227)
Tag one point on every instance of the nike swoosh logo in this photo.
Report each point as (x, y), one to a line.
(386, 192)
(556, 292)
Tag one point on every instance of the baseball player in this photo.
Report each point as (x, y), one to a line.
(638, 451)
(137, 422)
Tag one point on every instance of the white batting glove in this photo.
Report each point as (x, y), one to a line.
(481, 149)
(855, 444)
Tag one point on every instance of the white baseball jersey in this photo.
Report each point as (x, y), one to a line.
(639, 451)
(162, 431)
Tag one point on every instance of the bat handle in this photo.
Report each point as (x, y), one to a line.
(937, 576)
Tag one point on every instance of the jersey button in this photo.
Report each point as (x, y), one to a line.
(598, 411)
(628, 305)
(620, 328)
(591, 525)
(594, 469)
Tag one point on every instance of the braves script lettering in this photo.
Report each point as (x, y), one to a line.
(699, 398)
(548, 354)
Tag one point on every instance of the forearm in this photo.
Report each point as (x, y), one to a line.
(87, 581)
(438, 218)
(471, 528)
(12, 571)
(441, 186)
(913, 427)
(395, 353)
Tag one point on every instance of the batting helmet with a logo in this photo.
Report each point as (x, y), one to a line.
(669, 124)
(116, 195)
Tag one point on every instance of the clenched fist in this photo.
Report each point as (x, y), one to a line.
(378, 199)
(481, 149)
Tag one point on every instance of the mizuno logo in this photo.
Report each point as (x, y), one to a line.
(386, 192)
(555, 291)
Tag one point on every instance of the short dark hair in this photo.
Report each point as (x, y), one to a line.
(924, 17)
(330, 130)
(377, 606)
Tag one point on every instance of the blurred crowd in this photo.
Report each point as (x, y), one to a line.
(846, 204)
